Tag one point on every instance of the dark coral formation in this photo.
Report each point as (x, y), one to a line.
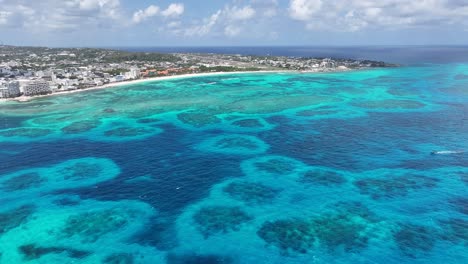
(14, 218)
(198, 119)
(31, 252)
(80, 170)
(148, 120)
(92, 225)
(290, 235)
(460, 204)
(23, 181)
(391, 187)
(390, 104)
(127, 132)
(236, 142)
(413, 239)
(251, 192)
(455, 230)
(276, 166)
(323, 177)
(248, 123)
(81, 126)
(197, 259)
(119, 258)
(26, 132)
(220, 219)
(343, 227)
(464, 178)
(313, 113)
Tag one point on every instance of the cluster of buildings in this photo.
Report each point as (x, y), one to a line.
(34, 71)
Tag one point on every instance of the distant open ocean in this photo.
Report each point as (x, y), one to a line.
(368, 166)
(392, 54)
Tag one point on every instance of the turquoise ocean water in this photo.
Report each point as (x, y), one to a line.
(246, 168)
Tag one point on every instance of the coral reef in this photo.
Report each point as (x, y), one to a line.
(455, 230)
(248, 123)
(31, 252)
(276, 166)
(127, 132)
(80, 170)
(345, 226)
(323, 177)
(14, 218)
(197, 259)
(90, 226)
(390, 187)
(220, 219)
(251, 192)
(415, 239)
(198, 119)
(81, 126)
(291, 235)
(234, 144)
(460, 204)
(119, 258)
(25, 132)
(390, 104)
(23, 181)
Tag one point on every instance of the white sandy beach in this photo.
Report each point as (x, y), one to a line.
(131, 82)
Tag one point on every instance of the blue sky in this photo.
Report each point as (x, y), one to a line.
(233, 22)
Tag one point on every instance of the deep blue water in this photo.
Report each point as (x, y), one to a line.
(392, 54)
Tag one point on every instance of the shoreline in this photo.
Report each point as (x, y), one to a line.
(137, 81)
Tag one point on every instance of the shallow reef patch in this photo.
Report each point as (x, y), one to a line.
(28, 132)
(234, 144)
(23, 181)
(127, 132)
(13, 218)
(273, 165)
(394, 186)
(90, 226)
(412, 240)
(119, 258)
(323, 177)
(81, 126)
(455, 230)
(212, 220)
(32, 252)
(251, 192)
(197, 259)
(346, 226)
(390, 104)
(198, 119)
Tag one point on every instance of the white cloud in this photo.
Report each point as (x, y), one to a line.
(142, 15)
(205, 27)
(46, 15)
(354, 15)
(240, 13)
(229, 21)
(232, 31)
(174, 10)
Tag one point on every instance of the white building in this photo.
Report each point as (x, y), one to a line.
(36, 87)
(10, 89)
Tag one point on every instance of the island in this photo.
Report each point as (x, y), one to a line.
(27, 72)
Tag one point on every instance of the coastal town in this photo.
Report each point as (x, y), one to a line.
(33, 71)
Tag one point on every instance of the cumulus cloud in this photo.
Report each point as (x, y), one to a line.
(141, 15)
(354, 15)
(231, 20)
(37, 16)
(304, 9)
(174, 10)
(240, 13)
